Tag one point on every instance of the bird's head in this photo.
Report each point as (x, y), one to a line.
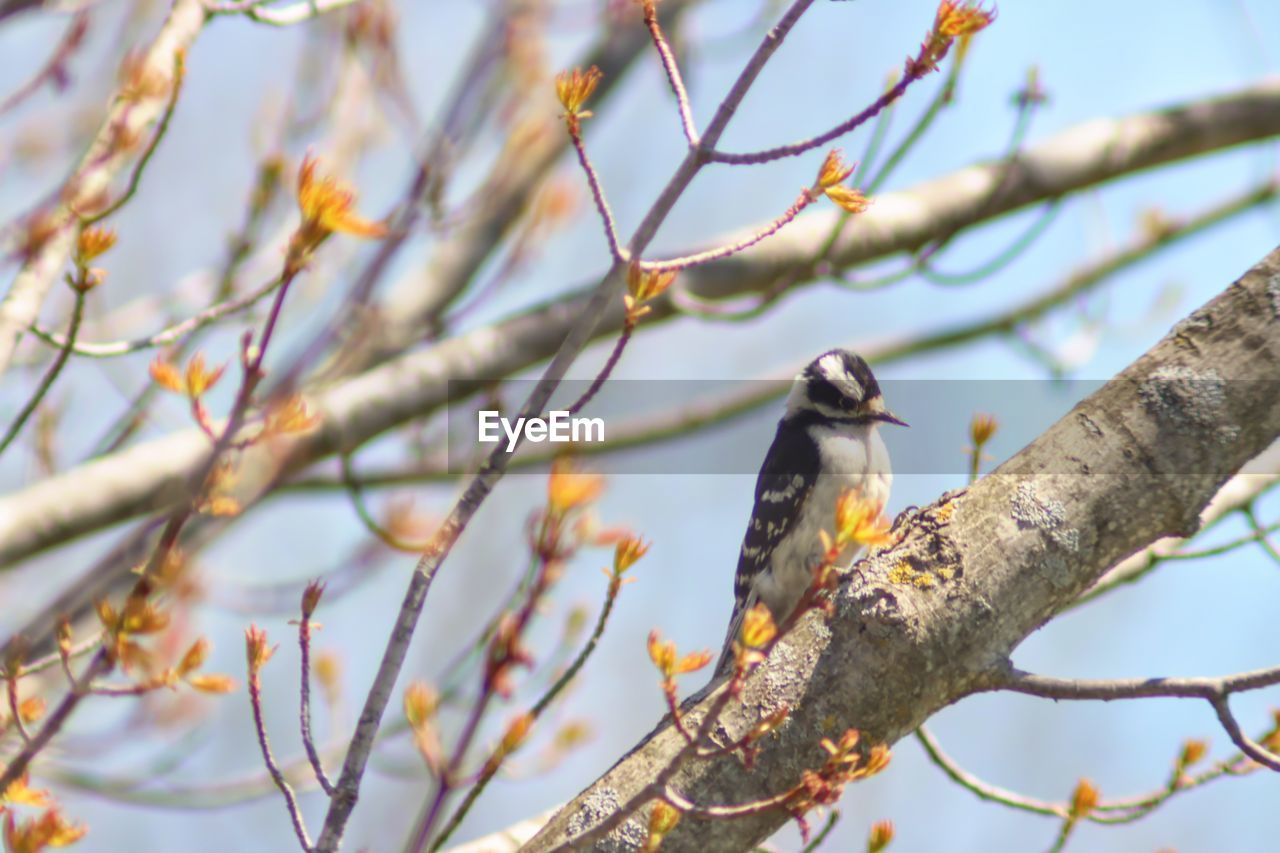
(840, 385)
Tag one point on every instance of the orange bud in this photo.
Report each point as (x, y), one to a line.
(662, 819)
(311, 597)
(956, 19)
(575, 87)
(289, 416)
(569, 489)
(19, 793)
(516, 734)
(644, 284)
(982, 427)
(199, 379)
(758, 628)
(93, 242)
(31, 709)
(880, 836)
(1084, 799)
(834, 170)
(212, 683)
(859, 520)
(257, 652)
(420, 704)
(166, 376)
(848, 199)
(194, 658)
(627, 553)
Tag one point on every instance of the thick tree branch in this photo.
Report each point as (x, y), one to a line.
(143, 478)
(931, 619)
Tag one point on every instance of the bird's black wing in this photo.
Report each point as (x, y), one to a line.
(786, 479)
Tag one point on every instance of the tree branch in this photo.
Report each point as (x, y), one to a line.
(141, 479)
(919, 625)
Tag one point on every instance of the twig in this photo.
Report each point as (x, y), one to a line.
(166, 336)
(566, 678)
(308, 742)
(290, 799)
(628, 327)
(135, 177)
(355, 492)
(806, 198)
(672, 68)
(1213, 690)
(55, 70)
(597, 194)
(103, 661)
(1260, 534)
(46, 382)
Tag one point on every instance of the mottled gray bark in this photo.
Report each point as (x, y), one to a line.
(927, 622)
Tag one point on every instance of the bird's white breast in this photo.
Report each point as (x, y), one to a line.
(851, 458)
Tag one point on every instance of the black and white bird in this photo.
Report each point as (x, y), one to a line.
(827, 443)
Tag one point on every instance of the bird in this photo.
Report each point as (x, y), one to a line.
(827, 443)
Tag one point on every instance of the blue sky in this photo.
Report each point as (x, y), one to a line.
(1094, 58)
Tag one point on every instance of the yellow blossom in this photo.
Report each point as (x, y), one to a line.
(627, 552)
(848, 199)
(257, 652)
(327, 207)
(834, 170)
(859, 521)
(962, 19)
(93, 242)
(574, 88)
(212, 683)
(1084, 799)
(982, 427)
(569, 488)
(880, 836)
(662, 819)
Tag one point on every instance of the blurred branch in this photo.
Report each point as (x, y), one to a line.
(648, 430)
(52, 232)
(579, 331)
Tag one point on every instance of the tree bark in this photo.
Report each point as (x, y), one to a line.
(927, 621)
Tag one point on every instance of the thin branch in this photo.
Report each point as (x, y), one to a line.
(135, 177)
(597, 194)
(806, 198)
(304, 715)
(55, 70)
(166, 336)
(984, 790)
(566, 678)
(46, 382)
(290, 799)
(672, 68)
(1213, 690)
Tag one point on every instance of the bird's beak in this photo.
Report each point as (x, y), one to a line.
(881, 413)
